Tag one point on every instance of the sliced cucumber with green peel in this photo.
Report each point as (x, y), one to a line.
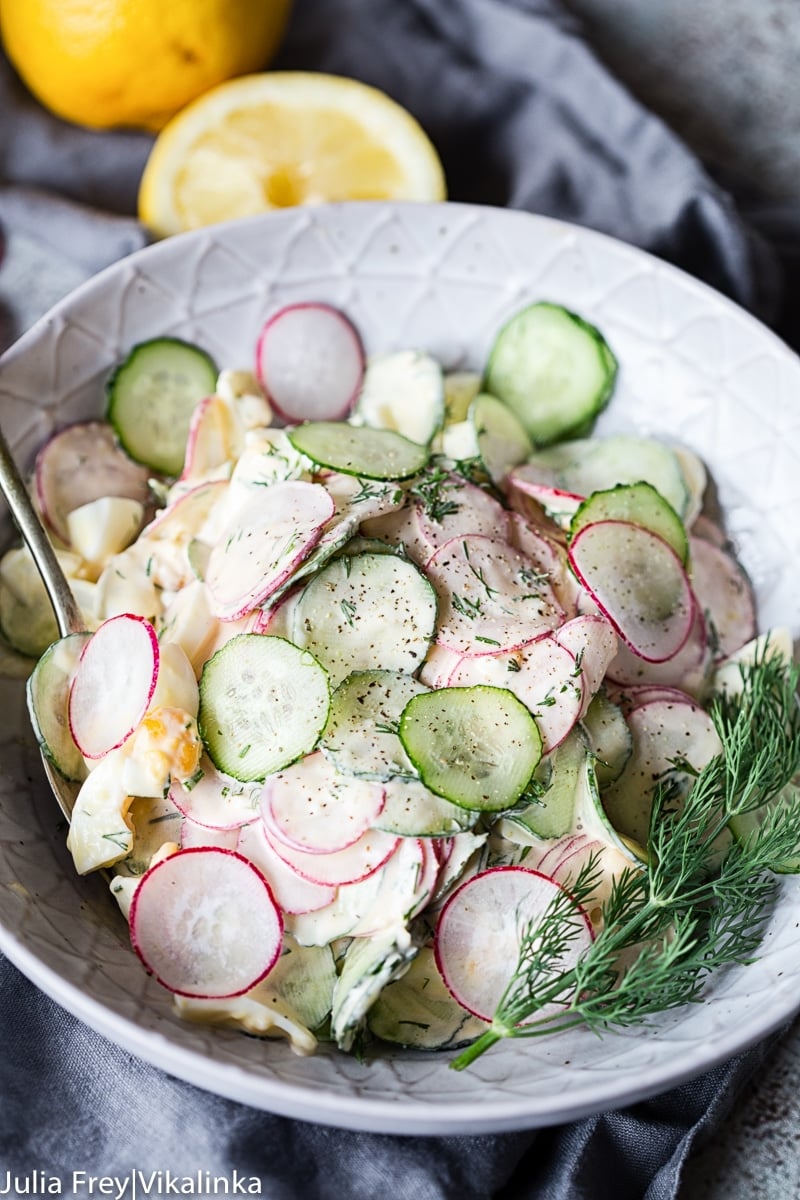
(640, 504)
(357, 450)
(48, 703)
(364, 613)
(500, 436)
(263, 705)
(151, 398)
(553, 814)
(555, 370)
(361, 736)
(609, 738)
(592, 465)
(477, 747)
(418, 1011)
(369, 965)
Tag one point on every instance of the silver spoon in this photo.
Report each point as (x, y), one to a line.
(67, 614)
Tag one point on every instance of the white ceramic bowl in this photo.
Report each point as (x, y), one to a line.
(441, 277)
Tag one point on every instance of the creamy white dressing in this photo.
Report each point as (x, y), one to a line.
(493, 576)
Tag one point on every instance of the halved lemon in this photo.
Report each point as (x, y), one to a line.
(280, 139)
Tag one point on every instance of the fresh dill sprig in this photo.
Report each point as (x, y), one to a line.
(431, 488)
(465, 606)
(479, 573)
(702, 902)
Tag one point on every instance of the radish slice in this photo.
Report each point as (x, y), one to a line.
(204, 922)
(310, 362)
(710, 531)
(634, 697)
(551, 558)
(439, 666)
(294, 894)
(541, 673)
(352, 903)
(665, 733)
(558, 505)
(574, 856)
(480, 932)
(216, 801)
(113, 685)
(547, 861)
(685, 670)
(639, 583)
(263, 544)
(84, 462)
(472, 510)
(492, 597)
(213, 439)
(185, 515)
(349, 865)
(312, 808)
(194, 836)
(724, 594)
(593, 643)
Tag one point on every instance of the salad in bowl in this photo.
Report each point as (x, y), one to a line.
(408, 710)
(674, 377)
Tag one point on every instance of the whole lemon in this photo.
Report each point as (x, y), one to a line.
(135, 63)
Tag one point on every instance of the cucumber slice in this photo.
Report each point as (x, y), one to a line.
(356, 450)
(585, 466)
(48, 702)
(403, 391)
(609, 738)
(263, 705)
(361, 734)
(553, 814)
(500, 436)
(418, 1011)
(27, 620)
(151, 398)
(367, 612)
(304, 977)
(554, 370)
(477, 747)
(640, 504)
(639, 583)
(369, 965)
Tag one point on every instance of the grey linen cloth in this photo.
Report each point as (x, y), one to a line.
(523, 114)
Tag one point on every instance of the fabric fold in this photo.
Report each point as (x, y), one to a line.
(523, 114)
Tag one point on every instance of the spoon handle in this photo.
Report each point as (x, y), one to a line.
(68, 616)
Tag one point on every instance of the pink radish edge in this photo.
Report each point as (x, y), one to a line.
(294, 894)
(476, 880)
(230, 601)
(105, 458)
(692, 602)
(353, 866)
(163, 868)
(280, 809)
(339, 403)
(75, 719)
